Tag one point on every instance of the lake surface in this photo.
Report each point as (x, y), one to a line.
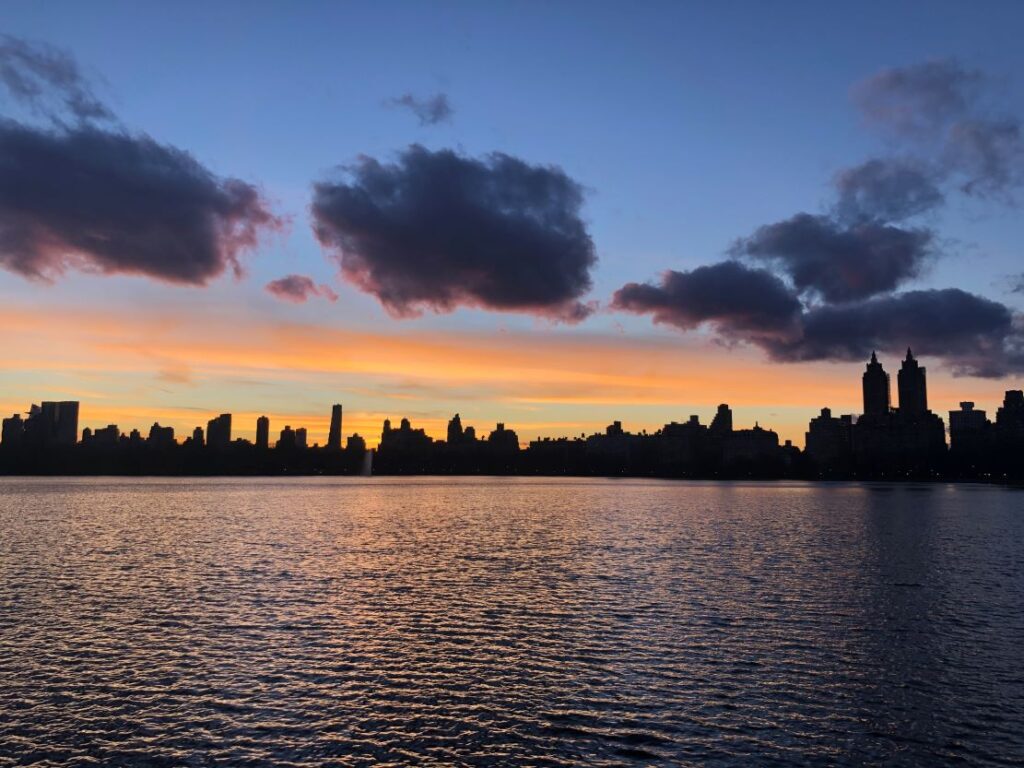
(508, 622)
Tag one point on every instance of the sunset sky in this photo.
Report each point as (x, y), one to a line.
(552, 215)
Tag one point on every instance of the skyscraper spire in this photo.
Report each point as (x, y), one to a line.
(913, 387)
(876, 389)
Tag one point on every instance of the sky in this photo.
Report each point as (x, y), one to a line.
(551, 215)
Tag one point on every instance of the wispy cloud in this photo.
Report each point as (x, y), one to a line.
(429, 110)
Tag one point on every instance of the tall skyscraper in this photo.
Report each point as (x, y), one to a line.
(912, 387)
(300, 438)
(876, 389)
(334, 436)
(263, 433)
(218, 431)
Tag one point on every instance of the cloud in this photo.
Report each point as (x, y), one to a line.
(38, 75)
(117, 203)
(974, 335)
(971, 334)
(945, 111)
(846, 265)
(736, 300)
(921, 99)
(885, 190)
(837, 262)
(989, 154)
(298, 289)
(430, 110)
(438, 230)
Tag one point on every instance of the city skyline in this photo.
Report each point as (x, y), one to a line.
(887, 440)
(876, 393)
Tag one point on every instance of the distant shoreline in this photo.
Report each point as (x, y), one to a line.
(915, 480)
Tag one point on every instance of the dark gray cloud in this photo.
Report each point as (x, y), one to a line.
(437, 230)
(885, 190)
(117, 203)
(736, 300)
(972, 334)
(298, 289)
(47, 80)
(837, 262)
(429, 110)
(950, 114)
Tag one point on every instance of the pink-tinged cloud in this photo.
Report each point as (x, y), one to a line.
(299, 289)
(136, 207)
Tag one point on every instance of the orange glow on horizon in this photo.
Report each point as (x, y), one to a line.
(133, 369)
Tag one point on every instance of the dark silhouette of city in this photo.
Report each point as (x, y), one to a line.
(906, 441)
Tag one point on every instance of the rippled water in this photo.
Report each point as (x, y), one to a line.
(503, 621)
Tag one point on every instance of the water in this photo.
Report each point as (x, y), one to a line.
(508, 622)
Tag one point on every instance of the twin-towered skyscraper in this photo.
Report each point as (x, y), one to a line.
(911, 383)
(884, 441)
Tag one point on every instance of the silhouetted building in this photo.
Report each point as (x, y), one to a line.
(684, 448)
(751, 445)
(829, 441)
(969, 431)
(13, 431)
(1008, 435)
(300, 437)
(1010, 417)
(910, 441)
(455, 432)
(286, 440)
(875, 384)
(722, 423)
(197, 437)
(263, 433)
(52, 423)
(334, 436)
(161, 436)
(612, 452)
(355, 444)
(405, 438)
(912, 387)
(503, 440)
(218, 431)
(108, 436)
